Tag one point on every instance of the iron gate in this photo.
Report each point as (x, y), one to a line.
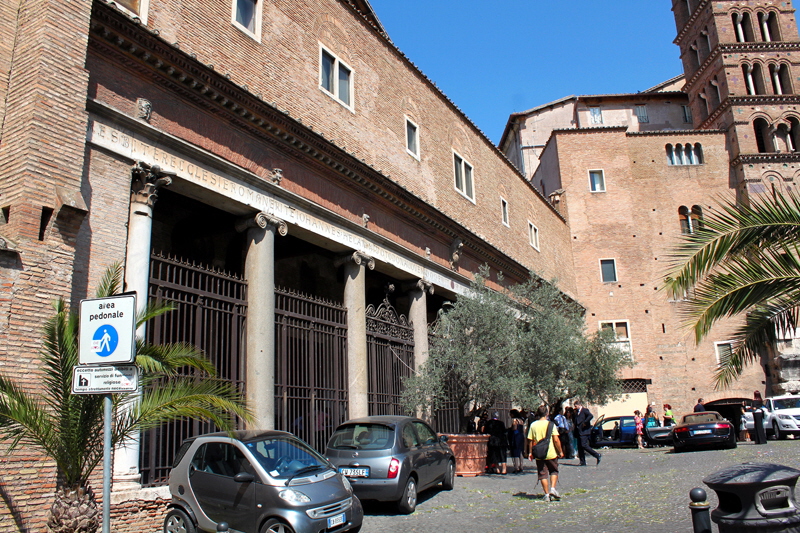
(390, 352)
(310, 366)
(210, 311)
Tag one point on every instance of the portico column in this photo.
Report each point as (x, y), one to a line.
(418, 314)
(355, 266)
(259, 272)
(146, 182)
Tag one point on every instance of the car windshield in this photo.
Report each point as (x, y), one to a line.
(285, 457)
(786, 403)
(362, 437)
(701, 418)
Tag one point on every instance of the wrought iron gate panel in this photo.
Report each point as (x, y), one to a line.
(310, 366)
(390, 358)
(210, 313)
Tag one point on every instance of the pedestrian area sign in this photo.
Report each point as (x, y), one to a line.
(104, 379)
(107, 330)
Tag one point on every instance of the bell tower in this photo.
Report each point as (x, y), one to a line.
(741, 59)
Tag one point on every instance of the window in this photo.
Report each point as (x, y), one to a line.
(463, 177)
(336, 78)
(608, 270)
(641, 113)
(533, 235)
(691, 221)
(687, 114)
(684, 154)
(504, 211)
(597, 182)
(247, 17)
(596, 116)
(412, 138)
(621, 333)
(135, 7)
(723, 350)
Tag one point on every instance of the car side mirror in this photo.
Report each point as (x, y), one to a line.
(442, 438)
(244, 477)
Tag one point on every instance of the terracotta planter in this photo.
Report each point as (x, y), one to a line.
(470, 452)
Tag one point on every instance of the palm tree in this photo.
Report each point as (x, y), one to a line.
(744, 259)
(68, 428)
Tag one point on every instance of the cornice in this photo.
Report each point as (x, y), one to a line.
(771, 157)
(133, 46)
(658, 133)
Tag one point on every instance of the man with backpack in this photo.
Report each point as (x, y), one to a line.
(546, 449)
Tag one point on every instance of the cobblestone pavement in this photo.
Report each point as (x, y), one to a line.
(641, 491)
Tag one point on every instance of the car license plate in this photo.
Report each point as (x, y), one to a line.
(701, 432)
(354, 472)
(335, 520)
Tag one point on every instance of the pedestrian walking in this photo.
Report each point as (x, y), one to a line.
(547, 467)
(516, 440)
(498, 444)
(637, 420)
(564, 426)
(583, 430)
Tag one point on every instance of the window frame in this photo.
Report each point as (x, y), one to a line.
(415, 155)
(533, 236)
(616, 271)
(627, 340)
(466, 177)
(144, 7)
(504, 212)
(717, 345)
(256, 33)
(687, 114)
(595, 114)
(641, 114)
(337, 63)
(602, 177)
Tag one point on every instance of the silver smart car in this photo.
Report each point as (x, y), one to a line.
(258, 482)
(391, 458)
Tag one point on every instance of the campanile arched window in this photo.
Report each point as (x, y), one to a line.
(691, 219)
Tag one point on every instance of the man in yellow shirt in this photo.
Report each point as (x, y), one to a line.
(547, 467)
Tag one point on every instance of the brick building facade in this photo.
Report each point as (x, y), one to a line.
(286, 152)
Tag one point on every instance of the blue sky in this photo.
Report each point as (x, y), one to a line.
(494, 58)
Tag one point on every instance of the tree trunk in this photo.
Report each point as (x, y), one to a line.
(74, 511)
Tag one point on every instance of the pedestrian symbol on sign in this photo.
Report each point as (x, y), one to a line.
(105, 340)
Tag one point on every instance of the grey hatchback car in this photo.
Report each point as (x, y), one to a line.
(391, 458)
(258, 482)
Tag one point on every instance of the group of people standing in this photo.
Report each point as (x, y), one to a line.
(567, 430)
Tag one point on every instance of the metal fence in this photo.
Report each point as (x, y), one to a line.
(210, 314)
(310, 366)
(390, 358)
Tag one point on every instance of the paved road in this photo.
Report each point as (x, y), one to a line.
(636, 491)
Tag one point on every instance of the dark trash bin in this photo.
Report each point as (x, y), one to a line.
(755, 497)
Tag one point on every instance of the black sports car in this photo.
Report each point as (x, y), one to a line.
(701, 430)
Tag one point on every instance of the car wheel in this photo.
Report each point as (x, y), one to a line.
(177, 521)
(776, 430)
(449, 480)
(273, 525)
(676, 448)
(408, 502)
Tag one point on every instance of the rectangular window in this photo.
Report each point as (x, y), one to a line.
(621, 332)
(641, 113)
(247, 17)
(504, 211)
(412, 138)
(596, 115)
(336, 78)
(722, 350)
(597, 181)
(687, 114)
(533, 235)
(463, 177)
(608, 270)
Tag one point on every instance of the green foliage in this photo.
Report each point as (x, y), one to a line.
(527, 345)
(744, 260)
(68, 427)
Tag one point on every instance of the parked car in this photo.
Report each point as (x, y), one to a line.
(618, 431)
(703, 429)
(391, 458)
(258, 482)
(781, 416)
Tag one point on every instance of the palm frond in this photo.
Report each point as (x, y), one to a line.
(111, 282)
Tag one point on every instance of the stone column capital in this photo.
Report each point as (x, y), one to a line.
(262, 220)
(146, 181)
(419, 285)
(357, 258)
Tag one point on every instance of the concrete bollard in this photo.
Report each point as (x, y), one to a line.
(701, 517)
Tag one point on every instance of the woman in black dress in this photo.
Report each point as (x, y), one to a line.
(516, 440)
(496, 459)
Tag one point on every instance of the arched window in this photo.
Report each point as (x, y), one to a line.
(690, 221)
(680, 158)
(670, 155)
(697, 218)
(703, 45)
(783, 142)
(763, 138)
(794, 134)
(698, 154)
(716, 98)
(684, 154)
(743, 27)
(768, 25)
(785, 79)
(688, 152)
(758, 79)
